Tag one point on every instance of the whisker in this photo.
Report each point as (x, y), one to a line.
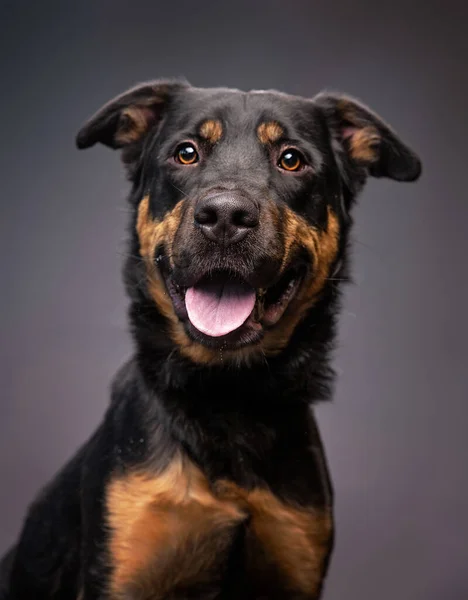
(178, 189)
(124, 254)
(373, 250)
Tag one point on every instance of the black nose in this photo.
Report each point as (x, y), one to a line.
(227, 217)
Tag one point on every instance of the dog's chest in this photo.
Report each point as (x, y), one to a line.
(173, 536)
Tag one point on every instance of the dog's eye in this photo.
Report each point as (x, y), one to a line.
(291, 160)
(186, 154)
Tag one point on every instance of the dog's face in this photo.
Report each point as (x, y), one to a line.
(242, 204)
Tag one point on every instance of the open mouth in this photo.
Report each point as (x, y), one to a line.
(223, 310)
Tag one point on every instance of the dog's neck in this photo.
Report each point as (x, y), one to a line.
(222, 410)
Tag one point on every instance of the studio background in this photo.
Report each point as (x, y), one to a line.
(395, 434)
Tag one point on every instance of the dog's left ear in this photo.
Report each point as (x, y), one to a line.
(368, 141)
(126, 119)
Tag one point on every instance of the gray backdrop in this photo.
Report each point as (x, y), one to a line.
(395, 434)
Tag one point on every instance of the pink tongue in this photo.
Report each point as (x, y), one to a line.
(217, 308)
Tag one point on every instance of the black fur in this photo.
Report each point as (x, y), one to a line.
(250, 423)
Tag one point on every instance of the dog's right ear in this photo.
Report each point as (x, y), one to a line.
(369, 143)
(127, 119)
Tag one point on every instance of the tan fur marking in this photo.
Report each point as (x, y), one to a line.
(138, 122)
(212, 131)
(269, 133)
(364, 141)
(364, 145)
(151, 234)
(166, 529)
(296, 538)
(322, 247)
(172, 529)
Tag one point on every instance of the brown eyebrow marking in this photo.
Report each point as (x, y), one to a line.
(211, 130)
(270, 132)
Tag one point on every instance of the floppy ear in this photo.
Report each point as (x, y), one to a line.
(127, 118)
(368, 142)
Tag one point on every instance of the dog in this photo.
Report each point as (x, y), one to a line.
(207, 477)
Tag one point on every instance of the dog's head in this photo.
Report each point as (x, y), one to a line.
(241, 204)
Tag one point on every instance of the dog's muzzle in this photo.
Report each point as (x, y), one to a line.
(227, 217)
